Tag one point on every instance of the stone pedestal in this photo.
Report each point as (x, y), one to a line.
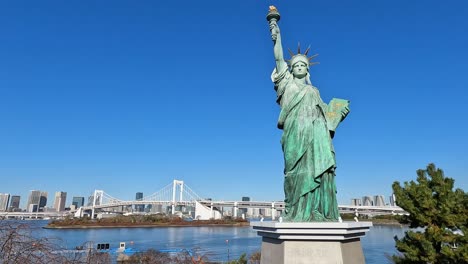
(304, 243)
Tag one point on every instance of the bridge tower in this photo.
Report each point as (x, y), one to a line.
(174, 192)
(97, 200)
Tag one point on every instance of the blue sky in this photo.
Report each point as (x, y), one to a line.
(126, 96)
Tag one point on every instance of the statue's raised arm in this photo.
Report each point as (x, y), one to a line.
(273, 17)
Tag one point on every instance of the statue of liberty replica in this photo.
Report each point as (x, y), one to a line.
(308, 126)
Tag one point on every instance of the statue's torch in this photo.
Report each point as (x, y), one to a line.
(273, 15)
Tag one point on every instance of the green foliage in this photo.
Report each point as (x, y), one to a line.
(439, 215)
(241, 260)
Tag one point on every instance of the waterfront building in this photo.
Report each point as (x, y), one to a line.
(33, 208)
(157, 208)
(59, 202)
(4, 199)
(38, 198)
(379, 200)
(356, 202)
(78, 201)
(139, 207)
(139, 196)
(14, 203)
(367, 201)
(43, 200)
(33, 198)
(393, 200)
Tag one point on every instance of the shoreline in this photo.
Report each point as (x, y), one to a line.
(388, 224)
(142, 226)
(246, 224)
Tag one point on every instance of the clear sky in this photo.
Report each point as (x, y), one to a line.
(126, 96)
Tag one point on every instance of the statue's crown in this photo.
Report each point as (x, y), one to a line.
(295, 58)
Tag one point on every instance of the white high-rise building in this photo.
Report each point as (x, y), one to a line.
(356, 202)
(14, 203)
(393, 200)
(379, 200)
(38, 198)
(4, 199)
(367, 201)
(59, 202)
(33, 198)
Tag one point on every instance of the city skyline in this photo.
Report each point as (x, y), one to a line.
(60, 200)
(125, 97)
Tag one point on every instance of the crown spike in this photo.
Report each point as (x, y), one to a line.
(298, 48)
(290, 52)
(307, 50)
(313, 56)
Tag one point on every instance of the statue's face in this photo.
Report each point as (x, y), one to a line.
(299, 70)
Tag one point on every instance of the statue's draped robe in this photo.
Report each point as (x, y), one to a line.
(309, 184)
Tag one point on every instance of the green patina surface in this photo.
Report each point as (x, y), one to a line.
(308, 126)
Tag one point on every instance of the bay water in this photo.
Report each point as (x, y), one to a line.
(218, 243)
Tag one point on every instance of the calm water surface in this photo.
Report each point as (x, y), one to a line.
(215, 242)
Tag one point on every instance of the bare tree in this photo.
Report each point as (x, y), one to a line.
(18, 245)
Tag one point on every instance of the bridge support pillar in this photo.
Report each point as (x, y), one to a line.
(235, 209)
(273, 211)
(94, 204)
(211, 211)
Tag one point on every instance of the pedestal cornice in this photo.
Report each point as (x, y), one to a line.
(322, 231)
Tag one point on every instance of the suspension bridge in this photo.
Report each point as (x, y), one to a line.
(179, 198)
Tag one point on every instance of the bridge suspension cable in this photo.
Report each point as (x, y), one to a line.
(163, 194)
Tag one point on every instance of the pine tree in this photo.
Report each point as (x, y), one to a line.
(438, 218)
